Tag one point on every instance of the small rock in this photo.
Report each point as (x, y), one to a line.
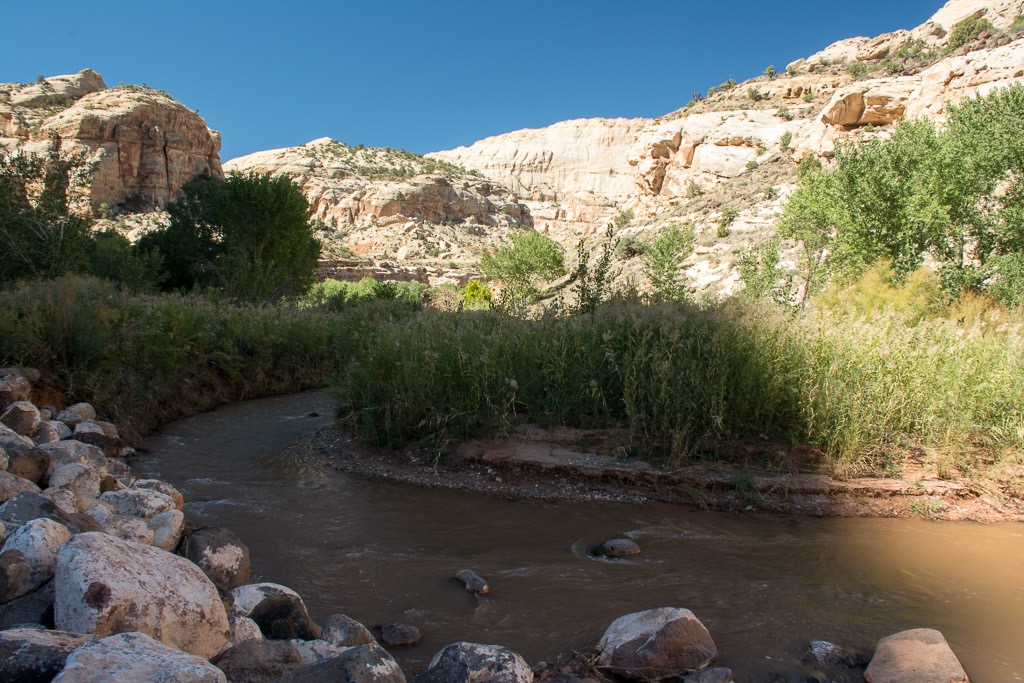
(718, 674)
(471, 662)
(474, 582)
(34, 608)
(21, 417)
(13, 443)
(135, 658)
(221, 555)
(160, 487)
(30, 655)
(824, 654)
(80, 479)
(101, 434)
(11, 485)
(79, 412)
(920, 655)
(135, 529)
(13, 388)
(71, 451)
(111, 483)
(64, 499)
(139, 502)
(615, 548)
(343, 631)
(399, 635)
(259, 661)
(242, 629)
(167, 529)
(38, 541)
(15, 573)
(655, 644)
(363, 664)
(30, 464)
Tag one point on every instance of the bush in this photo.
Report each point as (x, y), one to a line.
(783, 112)
(663, 262)
(760, 273)
(967, 31)
(785, 140)
(858, 70)
(725, 221)
(755, 95)
(529, 259)
(694, 190)
(477, 295)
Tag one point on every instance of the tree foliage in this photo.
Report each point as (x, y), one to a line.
(248, 235)
(663, 262)
(530, 260)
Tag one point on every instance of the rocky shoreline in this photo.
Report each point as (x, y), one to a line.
(102, 577)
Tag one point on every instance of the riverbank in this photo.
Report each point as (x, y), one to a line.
(588, 466)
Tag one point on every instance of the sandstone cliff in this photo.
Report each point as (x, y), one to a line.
(144, 144)
(389, 204)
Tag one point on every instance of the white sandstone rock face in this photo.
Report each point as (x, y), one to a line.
(656, 644)
(105, 585)
(38, 540)
(135, 658)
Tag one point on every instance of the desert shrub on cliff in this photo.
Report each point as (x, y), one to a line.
(967, 30)
(248, 235)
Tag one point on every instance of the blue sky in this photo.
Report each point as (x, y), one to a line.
(425, 75)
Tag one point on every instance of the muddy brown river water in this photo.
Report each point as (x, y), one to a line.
(764, 586)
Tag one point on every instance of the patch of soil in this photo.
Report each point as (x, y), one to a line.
(595, 465)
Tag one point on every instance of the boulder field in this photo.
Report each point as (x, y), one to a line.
(101, 578)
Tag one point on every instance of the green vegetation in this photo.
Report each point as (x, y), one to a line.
(663, 262)
(922, 192)
(591, 283)
(967, 31)
(785, 140)
(248, 235)
(760, 273)
(529, 259)
(725, 221)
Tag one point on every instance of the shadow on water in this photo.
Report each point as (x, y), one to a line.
(764, 586)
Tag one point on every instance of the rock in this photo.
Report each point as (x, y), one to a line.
(82, 480)
(15, 575)
(79, 412)
(242, 629)
(64, 499)
(167, 529)
(128, 528)
(34, 608)
(259, 661)
(30, 464)
(656, 644)
(72, 451)
(342, 631)
(363, 664)
(21, 417)
(717, 674)
(220, 554)
(97, 433)
(139, 502)
(48, 432)
(283, 617)
(399, 635)
(14, 444)
(11, 485)
(160, 487)
(472, 663)
(824, 654)
(120, 470)
(35, 656)
(616, 547)
(919, 655)
(38, 541)
(135, 658)
(13, 388)
(4, 460)
(105, 585)
(246, 598)
(28, 505)
(474, 582)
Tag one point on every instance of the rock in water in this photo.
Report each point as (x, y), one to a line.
(135, 658)
(616, 547)
(473, 581)
(363, 664)
(656, 644)
(221, 555)
(399, 635)
(920, 655)
(105, 585)
(343, 631)
(471, 663)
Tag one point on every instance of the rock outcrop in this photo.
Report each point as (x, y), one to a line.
(144, 144)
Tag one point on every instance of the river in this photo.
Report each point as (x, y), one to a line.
(764, 586)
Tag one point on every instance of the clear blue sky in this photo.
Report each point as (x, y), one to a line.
(425, 75)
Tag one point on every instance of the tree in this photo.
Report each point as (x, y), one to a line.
(530, 259)
(760, 273)
(248, 235)
(39, 233)
(663, 262)
(591, 282)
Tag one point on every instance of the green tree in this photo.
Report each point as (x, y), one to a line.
(591, 282)
(760, 273)
(530, 259)
(248, 235)
(663, 262)
(40, 235)
(810, 218)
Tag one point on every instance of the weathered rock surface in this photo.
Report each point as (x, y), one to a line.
(399, 635)
(262, 661)
(38, 541)
(82, 480)
(656, 644)
(36, 656)
(363, 664)
(615, 548)
(34, 608)
(30, 505)
(160, 487)
(473, 582)
(15, 575)
(79, 412)
(13, 386)
(343, 631)
(21, 417)
(30, 465)
(11, 485)
(14, 444)
(135, 658)
(917, 656)
(139, 502)
(105, 585)
(167, 529)
(98, 433)
(71, 451)
(221, 555)
(474, 663)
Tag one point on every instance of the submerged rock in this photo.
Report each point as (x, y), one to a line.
(474, 582)
(135, 658)
(656, 644)
(920, 655)
(399, 635)
(474, 663)
(616, 547)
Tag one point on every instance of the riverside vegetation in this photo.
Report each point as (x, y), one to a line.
(879, 363)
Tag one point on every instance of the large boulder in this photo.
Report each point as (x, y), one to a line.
(920, 655)
(363, 664)
(158, 486)
(21, 417)
(72, 451)
(221, 555)
(14, 387)
(34, 608)
(38, 541)
(82, 480)
(29, 464)
(262, 661)
(29, 655)
(656, 644)
(29, 505)
(344, 631)
(11, 485)
(135, 658)
(137, 502)
(474, 663)
(14, 443)
(97, 433)
(105, 585)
